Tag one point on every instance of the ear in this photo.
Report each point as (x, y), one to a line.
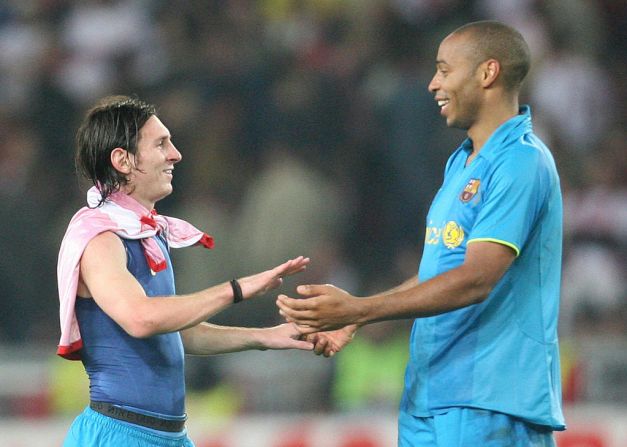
(489, 72)
(120, 160)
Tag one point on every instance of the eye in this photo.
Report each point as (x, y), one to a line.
(440, 71)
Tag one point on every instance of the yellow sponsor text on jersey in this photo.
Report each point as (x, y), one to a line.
(453, 235)
(432, 235)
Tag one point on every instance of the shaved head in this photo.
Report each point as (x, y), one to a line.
(490, 39)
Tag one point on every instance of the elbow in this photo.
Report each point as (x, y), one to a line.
(481, 295)
(476, 283)
(140, 327)
(480, 290)
(139, 332)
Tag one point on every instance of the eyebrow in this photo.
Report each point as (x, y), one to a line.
(163, 137)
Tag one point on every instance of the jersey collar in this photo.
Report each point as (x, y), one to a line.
(510, 130)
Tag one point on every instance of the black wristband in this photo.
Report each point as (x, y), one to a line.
(237, 291)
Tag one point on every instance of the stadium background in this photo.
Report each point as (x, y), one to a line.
(306, 128)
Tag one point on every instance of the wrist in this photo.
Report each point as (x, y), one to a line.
(237, 291)
(350, 330)
(258, 339)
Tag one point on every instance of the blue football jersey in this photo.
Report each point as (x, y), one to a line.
(501, 354)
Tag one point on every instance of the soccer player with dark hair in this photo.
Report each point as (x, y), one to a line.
(119, 311)
(484, 357)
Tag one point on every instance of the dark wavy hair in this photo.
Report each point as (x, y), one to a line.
(113, 122)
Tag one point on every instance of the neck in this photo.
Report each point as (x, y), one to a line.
(490, 118)
(143, 202)
(146, 204)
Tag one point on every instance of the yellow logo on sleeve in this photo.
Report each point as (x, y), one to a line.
(453, 235)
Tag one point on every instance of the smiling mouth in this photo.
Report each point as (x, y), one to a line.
(442, 102)
(169, 171)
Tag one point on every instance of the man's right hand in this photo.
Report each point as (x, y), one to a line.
(330, 342)
(271, 279)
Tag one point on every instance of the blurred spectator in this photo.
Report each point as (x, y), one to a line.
(23, 43)
(595, 262)
(111, 44)
(574, 96)
(289, 206)
(26, 284)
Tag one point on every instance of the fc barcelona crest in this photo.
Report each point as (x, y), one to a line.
(470, 190)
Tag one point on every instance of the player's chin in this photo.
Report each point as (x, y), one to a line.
(166, 190)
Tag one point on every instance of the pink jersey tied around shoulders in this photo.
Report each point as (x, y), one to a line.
(127, 218)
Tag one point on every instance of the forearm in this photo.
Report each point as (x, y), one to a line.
(209, 339)
(328, 307)
(189, 310)
(157, 315)
(457, 288)
(104, 277)
(408, 284)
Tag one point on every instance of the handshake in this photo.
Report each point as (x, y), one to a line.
(324, 319)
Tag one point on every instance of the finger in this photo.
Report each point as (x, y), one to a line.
(305, 326)
(282, 268)
(313, 338)
(290, 264)
(301, 261)
(306, 329)
(296, 266)
(295, 312)
(302, 344)
(286, 317)
(296, 270)
(313, 289)
(321, 345)
(287, 303)
(295, 318)
(283, 304)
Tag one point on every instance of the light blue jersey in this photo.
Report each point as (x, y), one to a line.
(502, 354)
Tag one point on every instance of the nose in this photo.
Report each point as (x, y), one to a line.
(434, 85)
(174, 155)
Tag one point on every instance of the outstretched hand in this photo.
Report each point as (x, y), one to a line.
(284, 336)
(261, 283)
(330, 342)
(324, 308)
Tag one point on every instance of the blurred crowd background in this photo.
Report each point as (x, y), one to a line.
(306, 128)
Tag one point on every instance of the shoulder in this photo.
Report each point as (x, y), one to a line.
(523, 157)
(103, 253)
(524, 164)
(104, 244)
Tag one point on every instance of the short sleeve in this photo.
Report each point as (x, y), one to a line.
(511, 200)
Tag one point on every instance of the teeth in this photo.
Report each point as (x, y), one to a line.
(442, 102)
(169, 171)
